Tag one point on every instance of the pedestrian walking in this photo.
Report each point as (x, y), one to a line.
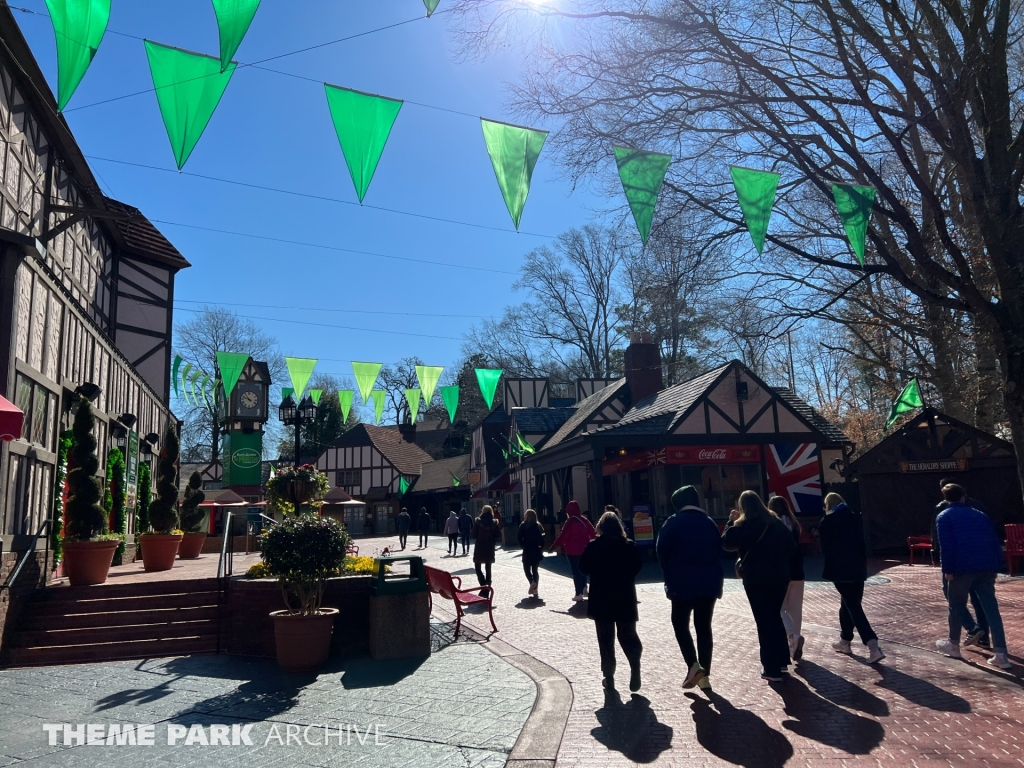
(576, 533)
(531, 540)
(451, 530)
(690, 553)
(793, 605)
(971, 557)
(403, 522)
(765, 548)
(612, 561)
(846, 566)
(485, 531)
(423, 527)
(977, 629)
(465, 529)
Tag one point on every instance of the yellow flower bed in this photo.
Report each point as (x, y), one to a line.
(353, 566)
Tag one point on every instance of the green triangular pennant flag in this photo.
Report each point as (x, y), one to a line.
(192, 385)
(204, 383)
(488, 378)
(455, 479)
(188, 87)
(345, 401)
(366, 377)
(525, 444)
(378, 405)
(300, 369)
(412, 397)
(504, 453)
(430, 5)
(79, 26)
(184, 381)
(909, 399)
(316, 394)
(231, 365)
(450, 395)
(428, 376)
(287, 392)
(363, 123)
(854, 204)
(233, 20)
(755, 191)
(641, 174)
(403, 485)
(174, 374)
(514, 152)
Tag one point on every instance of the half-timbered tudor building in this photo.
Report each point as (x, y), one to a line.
(441, 487)
(86, 293)
(368, 462)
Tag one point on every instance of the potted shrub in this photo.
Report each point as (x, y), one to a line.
(192, 519)
(88, 550)
(160, 546)
(114, 500)
(304, 551)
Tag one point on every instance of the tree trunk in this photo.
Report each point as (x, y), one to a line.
(1011, 344)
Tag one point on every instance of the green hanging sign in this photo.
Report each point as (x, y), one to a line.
(428, 376)
(377, 396)
(231, 365)
(450, 395)
(363, 123)
(514, 151)
(488, 378)
(287, 392)
(755, 191)
(300, 369)
(345, 401)
(854, 204)
(188, 87)
(174, 374)
(430, 5)
(909, 399)
(79, 26)
(316, 394)
(412, 397)
(403, 486)
(233, 20)
(641, 174)
(366, 377)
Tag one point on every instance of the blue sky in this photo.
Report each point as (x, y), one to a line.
(276, 131)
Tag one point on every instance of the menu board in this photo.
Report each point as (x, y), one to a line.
(643, 526)
(131, 475)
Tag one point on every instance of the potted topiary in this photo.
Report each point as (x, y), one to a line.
(160, 546)
(304, 551)
(192, 519)
(88, 549)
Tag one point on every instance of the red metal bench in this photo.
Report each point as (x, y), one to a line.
(450, 587)
(917, 544)
(1014, 544)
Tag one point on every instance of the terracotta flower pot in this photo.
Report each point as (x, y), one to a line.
(88, 562)
(159, 550)
(191, 546)
(303, 642)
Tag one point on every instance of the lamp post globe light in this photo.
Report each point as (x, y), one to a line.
(297, 416)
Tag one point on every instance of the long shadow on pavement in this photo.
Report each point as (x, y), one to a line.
(841, 691)
(632, 728)
(818, 719)
(736, 735)
(921, 692)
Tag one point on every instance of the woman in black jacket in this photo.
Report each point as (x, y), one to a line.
(613, 562)
(765, 548)
(531, 540)
(423, 527)
(793, 605)
(485, 531)
(846, 566)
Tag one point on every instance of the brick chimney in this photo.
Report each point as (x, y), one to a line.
(643, 367)
(408, 432)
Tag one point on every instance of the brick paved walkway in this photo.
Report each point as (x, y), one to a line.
(915, 708)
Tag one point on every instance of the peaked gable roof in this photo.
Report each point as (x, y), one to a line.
(437, 475)
(585, 410)
(408, 458)
(535, 421)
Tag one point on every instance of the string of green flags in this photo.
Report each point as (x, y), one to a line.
(79, 27)
(488, 379)
(300, 369)
(233, 20)
(345, 397)
(412, 397)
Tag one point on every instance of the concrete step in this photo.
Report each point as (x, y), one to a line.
(125, 589)
(36, 622)
(114, 634)
(101, 604)
(132, 649)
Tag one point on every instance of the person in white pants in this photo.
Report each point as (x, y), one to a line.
(793, 605)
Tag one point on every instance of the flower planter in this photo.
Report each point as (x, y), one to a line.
(159, 550)
(191, 546)
(303, 642)
(88, 562)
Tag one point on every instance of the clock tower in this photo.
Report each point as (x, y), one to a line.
(243, 416)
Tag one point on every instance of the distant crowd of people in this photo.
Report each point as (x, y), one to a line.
(605, 563)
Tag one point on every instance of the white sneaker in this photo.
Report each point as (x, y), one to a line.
(577, 598)
(842, 646)
(1000, 660)
(949, 648)
(876, 653)
(696, 673)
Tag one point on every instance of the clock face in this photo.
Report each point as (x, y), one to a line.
(250, 400)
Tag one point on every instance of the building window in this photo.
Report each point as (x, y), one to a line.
(348, 478)
(40, 408)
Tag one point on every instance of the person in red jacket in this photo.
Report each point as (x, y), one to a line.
(577, 532)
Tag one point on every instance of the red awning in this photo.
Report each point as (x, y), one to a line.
(11, 420)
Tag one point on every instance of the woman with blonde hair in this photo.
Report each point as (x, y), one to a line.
(765, 548)
(793, 605)
(846, 566)
(531, 540)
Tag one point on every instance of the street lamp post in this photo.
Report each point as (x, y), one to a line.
(297, 416)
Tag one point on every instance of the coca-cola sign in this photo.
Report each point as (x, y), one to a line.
(713, 454)
(697, 454)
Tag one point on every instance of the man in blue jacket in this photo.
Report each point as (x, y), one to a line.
(690, 554)
(971, 557)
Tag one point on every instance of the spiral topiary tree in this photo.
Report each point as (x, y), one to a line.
(191, 514)
(145, 497)
(86, 519)
(163, 511)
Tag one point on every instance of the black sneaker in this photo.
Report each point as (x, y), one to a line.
(634, 679)
(608, 683)
(772, 676)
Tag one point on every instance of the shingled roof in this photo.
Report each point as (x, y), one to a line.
(534, 421)
(142, 238)
(408, 458)
(437, 475)
(819, 422)
(584, 410)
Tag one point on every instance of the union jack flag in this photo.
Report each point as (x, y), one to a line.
(793, 474)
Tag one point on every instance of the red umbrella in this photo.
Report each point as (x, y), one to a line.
(11, 420)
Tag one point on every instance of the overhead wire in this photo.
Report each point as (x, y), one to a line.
(306, 307)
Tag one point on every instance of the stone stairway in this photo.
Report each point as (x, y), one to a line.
(70, 625)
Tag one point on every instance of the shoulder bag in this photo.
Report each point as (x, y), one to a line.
(740, 562)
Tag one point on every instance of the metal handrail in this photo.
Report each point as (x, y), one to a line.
(31, 548)
(224, 565)
(270, 520)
